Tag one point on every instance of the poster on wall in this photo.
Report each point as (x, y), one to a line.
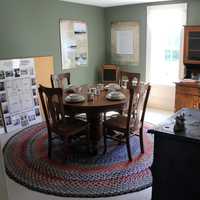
(125, 42)
(18, 94)
(74, 44)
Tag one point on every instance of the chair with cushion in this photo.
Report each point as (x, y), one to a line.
(60, 80)
(122, 127)
(57, 123)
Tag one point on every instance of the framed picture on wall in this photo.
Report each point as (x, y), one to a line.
(74, 43)
(125, 42)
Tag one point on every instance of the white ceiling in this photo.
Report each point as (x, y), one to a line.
(110, 3)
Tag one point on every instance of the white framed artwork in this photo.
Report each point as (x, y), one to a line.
(125, 42)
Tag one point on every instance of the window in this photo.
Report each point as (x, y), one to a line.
(164, 41)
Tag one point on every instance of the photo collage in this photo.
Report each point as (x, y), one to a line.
(18, 94)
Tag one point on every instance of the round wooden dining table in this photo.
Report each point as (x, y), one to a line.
(94, 108)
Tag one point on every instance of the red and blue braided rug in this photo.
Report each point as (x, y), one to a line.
(81, 175)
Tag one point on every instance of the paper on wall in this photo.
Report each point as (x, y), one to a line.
(124, 42)
(74, 43)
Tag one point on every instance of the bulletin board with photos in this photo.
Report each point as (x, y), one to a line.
(18, 94)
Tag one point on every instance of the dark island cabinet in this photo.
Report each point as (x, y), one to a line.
(176, 164)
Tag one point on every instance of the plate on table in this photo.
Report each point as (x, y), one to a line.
(115, 96)
(112, 86)
(74, 98)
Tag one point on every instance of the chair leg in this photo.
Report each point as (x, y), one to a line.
(104, 138)
(49, 146)
(141, 140)
(104, 116)
(128, 148)
(66, 145)
(121, 111)
(89, 145)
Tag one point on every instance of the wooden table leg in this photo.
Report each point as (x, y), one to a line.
(94, 119)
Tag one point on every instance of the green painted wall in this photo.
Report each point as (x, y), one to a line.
(31, 28)
(193, 12)
(139, 13)
(125, 13)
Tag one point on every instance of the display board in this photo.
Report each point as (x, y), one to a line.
(18, 91)
(125, 42)
(74, 43)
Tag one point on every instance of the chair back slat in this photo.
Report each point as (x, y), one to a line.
(130, 107)
(137, 104)
(60, 80)
(133, 79)
(142, 101)
(53, 108)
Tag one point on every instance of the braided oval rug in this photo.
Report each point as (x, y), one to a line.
(80, 175)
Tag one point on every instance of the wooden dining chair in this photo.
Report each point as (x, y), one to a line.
(132, 79)
(57, 122)
(126, 126)
(109, 73)
(59, 80)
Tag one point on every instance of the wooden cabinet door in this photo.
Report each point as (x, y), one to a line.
(187, 101)
(196, 102)
(191, 45)
(175, 168)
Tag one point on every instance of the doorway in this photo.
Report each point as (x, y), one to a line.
(164, 52)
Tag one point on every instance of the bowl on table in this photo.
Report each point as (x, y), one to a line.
(74, 98)
(115, 96)
(112, 87)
